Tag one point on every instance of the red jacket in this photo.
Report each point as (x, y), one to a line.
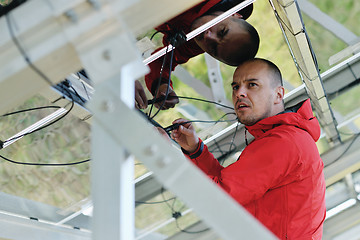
(279, 176)
(185, 51)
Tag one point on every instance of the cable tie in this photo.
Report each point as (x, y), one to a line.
(176, 215)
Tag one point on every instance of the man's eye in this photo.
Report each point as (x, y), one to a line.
(223, 32)
(235, 88)
(252, 84)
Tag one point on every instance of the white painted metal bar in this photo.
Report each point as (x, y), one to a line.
(215, 79)
(162, 224)
(199, 30)
(35, 126)
(112, 166)
(13, 226)
(305, 60)
(327, 22)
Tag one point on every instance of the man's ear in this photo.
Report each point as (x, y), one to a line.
(238, 15)
(279, 94)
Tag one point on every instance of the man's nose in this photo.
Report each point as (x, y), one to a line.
(240, 93)
(210, 36)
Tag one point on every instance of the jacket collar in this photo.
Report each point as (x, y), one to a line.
(300, 116)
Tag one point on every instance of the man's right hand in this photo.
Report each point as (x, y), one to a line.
(172, 99)
(185, 135)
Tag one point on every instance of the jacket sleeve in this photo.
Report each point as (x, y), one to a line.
(265, 164)
(181, 55)
(205, 160)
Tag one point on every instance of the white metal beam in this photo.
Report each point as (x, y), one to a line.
(328, 22)
(215, 79)
(290, 21)
(21, 228)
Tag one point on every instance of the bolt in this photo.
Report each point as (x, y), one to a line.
(106, 55)
(71, 14)
(95, 4)
(163, 162)
(151, 150)
(107, 106)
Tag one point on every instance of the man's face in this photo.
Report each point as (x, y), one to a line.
(254, 93)
(223, 40)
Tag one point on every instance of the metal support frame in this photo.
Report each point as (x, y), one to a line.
(290, 21)
(94, 35)
(48, 31)
(215, 79)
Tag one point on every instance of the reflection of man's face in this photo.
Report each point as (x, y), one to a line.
(254, 92)
(222, 41)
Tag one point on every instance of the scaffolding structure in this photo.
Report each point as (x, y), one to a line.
(61, 37)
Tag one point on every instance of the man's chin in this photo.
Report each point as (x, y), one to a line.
(246, 121)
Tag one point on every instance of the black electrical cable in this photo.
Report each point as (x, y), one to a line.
(345, 151)
(35, 69)
(44, 164)
(43, 76)
(218, 147)
(189, 232)
(168, 85)
(233, 138)
(176, 125)
(177, 214)
(215, 149)
(159, 80)
(158, 202)
(22, 51)
(152, 101)
(153, 35)
(295, 34)
(162, 195)
(47, 125)
(28, 110)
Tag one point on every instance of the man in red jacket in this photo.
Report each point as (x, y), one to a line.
(231, 41)
(279, 176)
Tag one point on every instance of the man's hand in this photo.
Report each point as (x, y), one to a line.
(185, 135)
(172, 97)
(140, 97)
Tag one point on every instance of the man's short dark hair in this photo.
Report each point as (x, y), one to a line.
(275, 71)
(225, 5)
